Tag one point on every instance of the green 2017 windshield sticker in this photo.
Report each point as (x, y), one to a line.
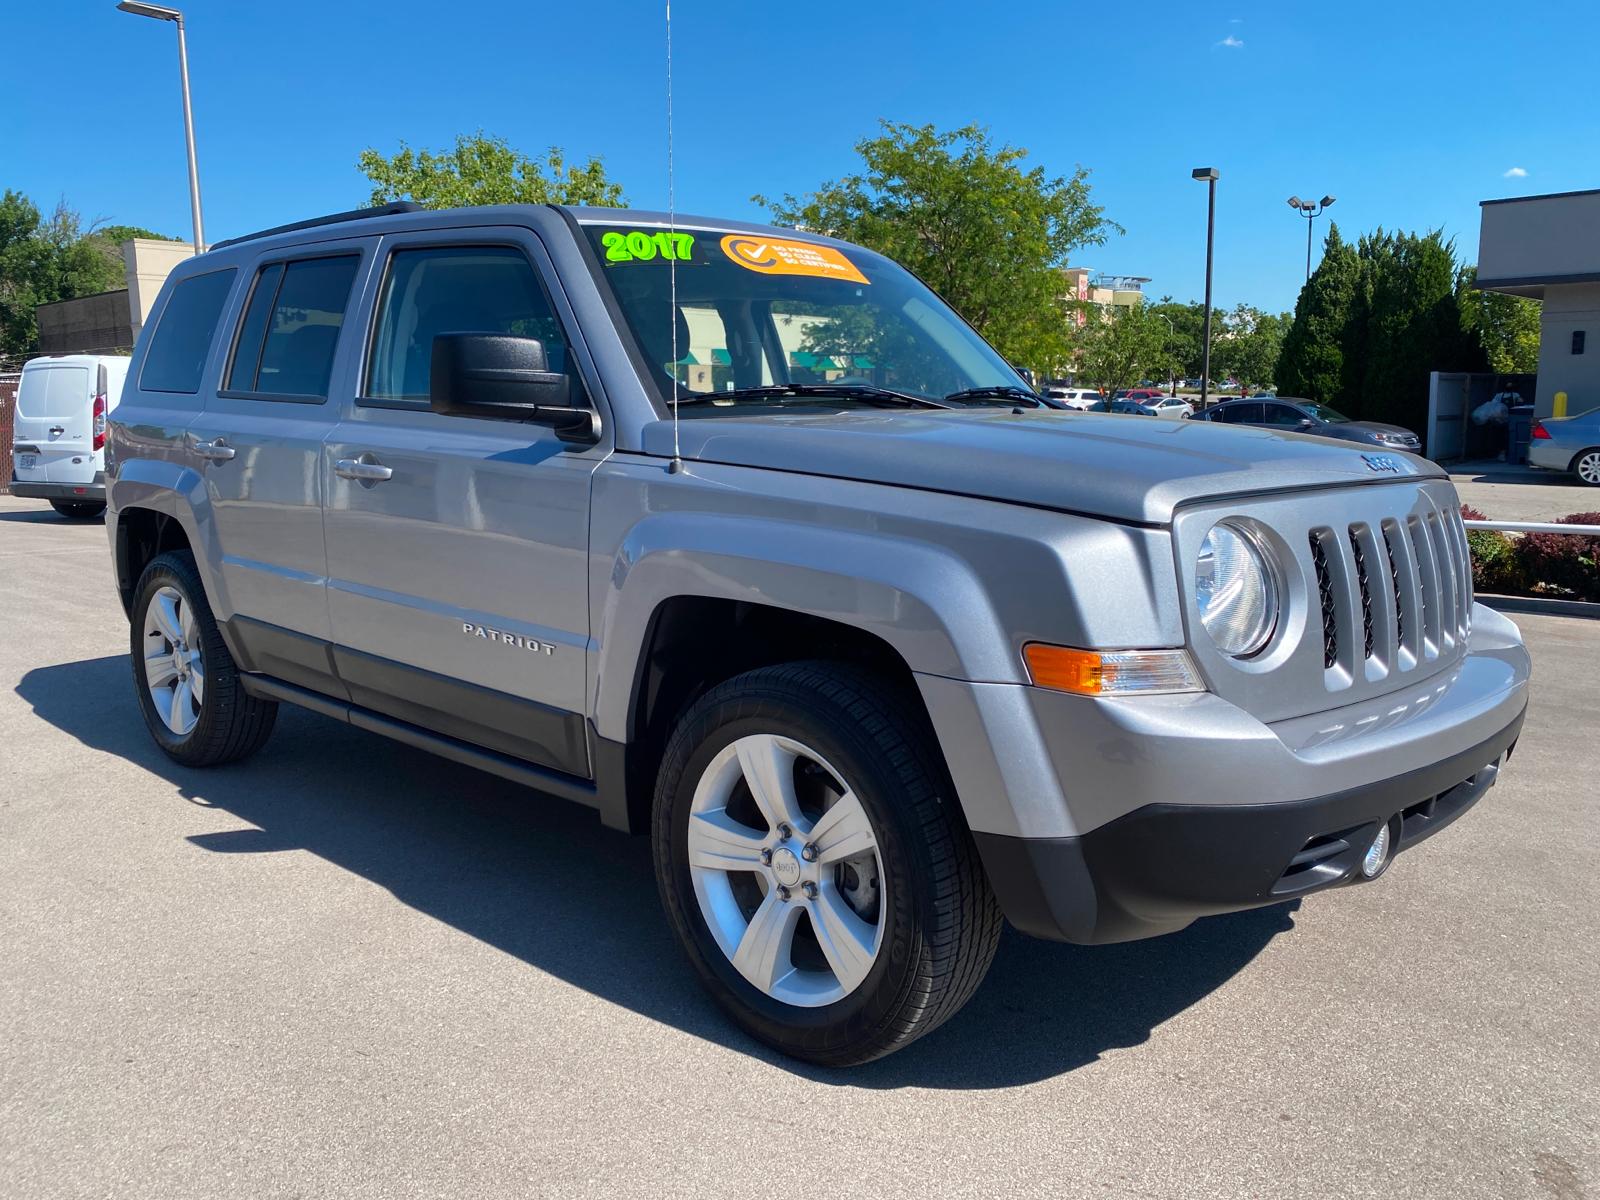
(639, 246)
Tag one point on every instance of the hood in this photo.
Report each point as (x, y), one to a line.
(1128, 468)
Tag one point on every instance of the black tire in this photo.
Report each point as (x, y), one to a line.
(1577, 459)
(943, 923)
(79, 510)
(232, 725)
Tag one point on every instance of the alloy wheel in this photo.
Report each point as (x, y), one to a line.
(1589, 467)
(785, 866)
(174, 667)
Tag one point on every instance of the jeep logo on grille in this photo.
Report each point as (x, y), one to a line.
(1382, 463)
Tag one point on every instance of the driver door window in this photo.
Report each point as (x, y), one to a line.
(453, 289)
(1283, 416)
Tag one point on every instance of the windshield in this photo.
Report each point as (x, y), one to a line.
(758, 312)
(1323, 413)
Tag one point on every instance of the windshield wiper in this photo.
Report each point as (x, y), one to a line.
(852, 391)
(1004, 391)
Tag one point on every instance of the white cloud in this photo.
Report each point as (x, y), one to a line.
(1231, 42)
(1517, 173)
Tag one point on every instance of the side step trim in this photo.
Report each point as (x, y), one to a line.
(543, 779)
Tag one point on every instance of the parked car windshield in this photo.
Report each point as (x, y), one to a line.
(805, 323)
(1323, 413)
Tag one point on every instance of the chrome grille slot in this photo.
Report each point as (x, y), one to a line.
(1363, 583)
(1428, 579)
(1449, 583)
(1330, 619)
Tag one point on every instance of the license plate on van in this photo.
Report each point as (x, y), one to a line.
(27, 462)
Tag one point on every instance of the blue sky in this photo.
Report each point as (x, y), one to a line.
(1409, 113)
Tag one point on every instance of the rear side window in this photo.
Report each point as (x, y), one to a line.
(290, 328)
(457, 289)
(178, 350)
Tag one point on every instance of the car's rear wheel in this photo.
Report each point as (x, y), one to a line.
(78, 510)
(813, 864)
(1586, 466)
(186, 681)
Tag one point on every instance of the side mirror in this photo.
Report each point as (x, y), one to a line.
(1307, 423)
(506, 378)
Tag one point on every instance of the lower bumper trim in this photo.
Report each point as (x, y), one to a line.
(84, 493)
(1162, 866)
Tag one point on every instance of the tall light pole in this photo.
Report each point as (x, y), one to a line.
(1310, 210)
(1209, 176)
(159, 13)
(1172, 330)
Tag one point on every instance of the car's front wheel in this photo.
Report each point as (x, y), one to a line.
(812, 862)
(186, 681)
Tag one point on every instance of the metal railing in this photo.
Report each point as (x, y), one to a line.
(1535, 527)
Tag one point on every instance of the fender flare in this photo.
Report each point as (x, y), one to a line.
(927, 604)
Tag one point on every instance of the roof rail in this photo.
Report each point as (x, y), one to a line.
(355, 214)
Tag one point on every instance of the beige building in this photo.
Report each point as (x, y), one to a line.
(110, 321)
(1548, 248)
(1106, 291)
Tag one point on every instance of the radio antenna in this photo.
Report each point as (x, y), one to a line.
(672, 260)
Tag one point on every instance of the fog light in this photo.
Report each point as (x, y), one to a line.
(1377, 855)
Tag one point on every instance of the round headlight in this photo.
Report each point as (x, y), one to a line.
(1235, 591)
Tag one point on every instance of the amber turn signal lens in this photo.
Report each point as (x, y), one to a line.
(1064, 669)
(1110, 672)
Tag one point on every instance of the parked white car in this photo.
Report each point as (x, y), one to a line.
(58, 446)
(1171, 407)
(1078, 398)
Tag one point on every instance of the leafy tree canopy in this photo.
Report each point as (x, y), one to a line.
(482, 169)
(1506, 326)
(1120, 345)
(983, 229)
(45, 259)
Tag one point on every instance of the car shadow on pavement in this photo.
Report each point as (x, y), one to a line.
(540, 879)
(46, 516)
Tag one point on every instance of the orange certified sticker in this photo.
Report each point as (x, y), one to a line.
(776, 256)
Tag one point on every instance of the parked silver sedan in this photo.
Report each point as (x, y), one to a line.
(1568, 444)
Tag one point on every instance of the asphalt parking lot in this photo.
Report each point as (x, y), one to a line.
(346, 968)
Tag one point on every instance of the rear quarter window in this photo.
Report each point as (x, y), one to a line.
(182, 339)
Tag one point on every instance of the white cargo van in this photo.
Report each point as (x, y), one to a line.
(58, 448)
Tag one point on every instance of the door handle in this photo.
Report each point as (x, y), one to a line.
(366, 469)
(216, 450)
(57, 430)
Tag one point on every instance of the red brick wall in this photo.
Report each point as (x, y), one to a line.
(8, 408)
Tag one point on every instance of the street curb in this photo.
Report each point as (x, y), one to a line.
(1538, 604)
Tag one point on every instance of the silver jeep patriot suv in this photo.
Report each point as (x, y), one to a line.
(875, 648)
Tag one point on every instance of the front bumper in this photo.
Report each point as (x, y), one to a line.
(1105, 820)
(1161, 866)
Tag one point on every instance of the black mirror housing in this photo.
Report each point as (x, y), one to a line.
(503, 377)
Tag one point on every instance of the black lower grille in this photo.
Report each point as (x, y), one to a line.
(1330, 625)
(1366, 592)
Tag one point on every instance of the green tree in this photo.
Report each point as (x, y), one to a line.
(1410, 325)
(1248, 345)
(1185, 334)
(1120, 345)
(985, 231)
(43, 260)
(1507, 327)
(482, 169)
(1311, 362)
